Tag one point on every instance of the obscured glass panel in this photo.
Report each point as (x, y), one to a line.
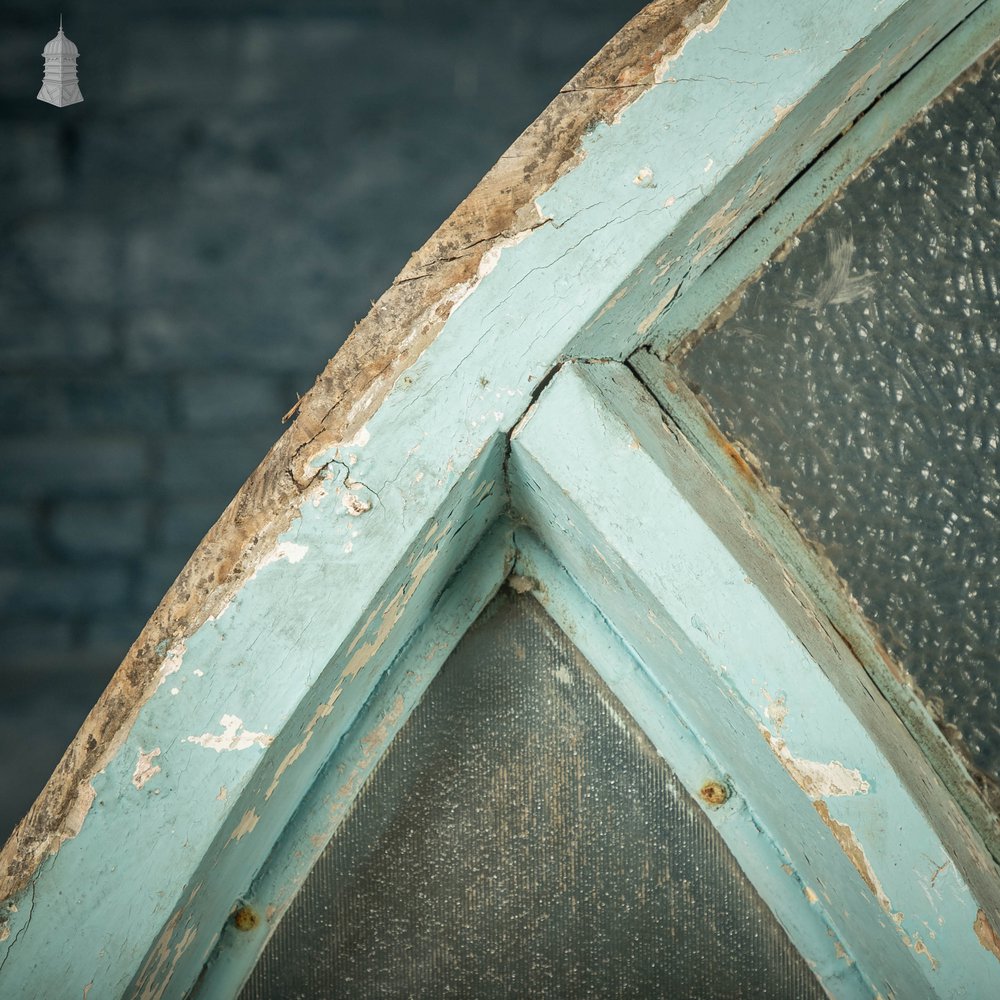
(862, 371)
(521, 838)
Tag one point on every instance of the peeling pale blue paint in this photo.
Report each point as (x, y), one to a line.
(960, 49)
(676, 547)
(694, 762)
(332, 795)
(761, 65)
(301, 645)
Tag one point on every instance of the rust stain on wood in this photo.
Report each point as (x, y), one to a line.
(733, 454)
(245, 918)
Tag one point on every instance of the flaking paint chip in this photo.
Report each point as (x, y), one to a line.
(355, 505)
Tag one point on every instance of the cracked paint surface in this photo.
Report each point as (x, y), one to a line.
(159, 968)
(815, 778)
(402, 325)
(425, 350)
(696, 28)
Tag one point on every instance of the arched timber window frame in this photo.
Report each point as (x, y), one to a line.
(506, 408)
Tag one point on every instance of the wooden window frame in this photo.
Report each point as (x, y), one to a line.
(483, 422)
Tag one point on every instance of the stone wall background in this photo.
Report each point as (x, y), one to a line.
(181, 254)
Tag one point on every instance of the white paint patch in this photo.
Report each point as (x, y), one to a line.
(175, 691)
(670, 201)
(564, 676)
(223, 794)
(234, 736)
(290, 551)
(172, 661)
(709, 164)
(699, 29)
(198, 673)
(145, 768)
(644, 178)
(355, 505)
(816, 779)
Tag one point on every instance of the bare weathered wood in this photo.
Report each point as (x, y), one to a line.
(265, 651)
(407, 317)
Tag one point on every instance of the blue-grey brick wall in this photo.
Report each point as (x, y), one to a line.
(181, 254)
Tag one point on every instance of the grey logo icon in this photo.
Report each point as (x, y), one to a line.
(59, 85)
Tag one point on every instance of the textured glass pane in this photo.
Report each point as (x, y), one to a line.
(522, 839)
(862, 371)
